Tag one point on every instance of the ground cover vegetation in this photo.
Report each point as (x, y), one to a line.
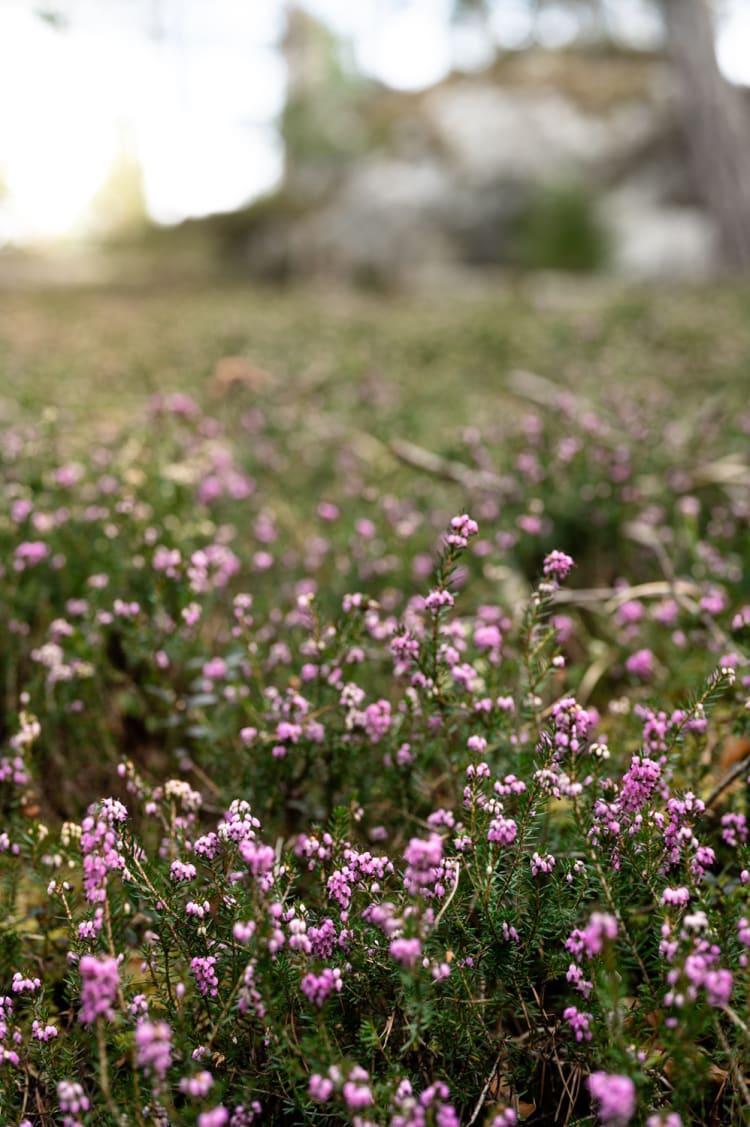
(375, 721)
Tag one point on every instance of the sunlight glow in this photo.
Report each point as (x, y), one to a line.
(196, 106)
(733, 44)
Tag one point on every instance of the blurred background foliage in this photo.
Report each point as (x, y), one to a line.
(386, 145)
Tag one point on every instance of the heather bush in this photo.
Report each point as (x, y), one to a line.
(338, 809)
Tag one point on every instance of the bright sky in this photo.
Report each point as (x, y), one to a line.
(196, 86)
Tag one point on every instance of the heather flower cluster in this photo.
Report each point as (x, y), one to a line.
(341, 808)
(100, 979)
(614, 1097)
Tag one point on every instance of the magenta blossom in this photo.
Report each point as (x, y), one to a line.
(615, 1096)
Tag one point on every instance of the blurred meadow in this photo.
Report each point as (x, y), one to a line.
(424, 366)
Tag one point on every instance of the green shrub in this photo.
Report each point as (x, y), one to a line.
(560, 230)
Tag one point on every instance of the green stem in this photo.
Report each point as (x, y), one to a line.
(104, 1071)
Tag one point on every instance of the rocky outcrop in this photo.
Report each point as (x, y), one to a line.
(446, 178)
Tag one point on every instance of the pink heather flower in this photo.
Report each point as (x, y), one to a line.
(741, 619)
(20, 509)
(211, 568)
(577, 979)
(405, 951)
(139, 1006)
(641, 664)
(743, 930)
(579, 1022)
(328, 511)
(411, 1110)
(182, 870)
(677, 896)
(542, 863)
(29, 553)
(557, 565)
(260, 860)
(718, 985)
(421, 566)
(425, 870)
(356, 1090)
(590, 941)
(564, 627)
(215, 669)
(100, 845)
(205, 975)
(629, 612)
(249, 997)
(502, 830)
(243, 931)
(318, 987)
(298, 938)
(666, 612)
(153, 1047)
(167, 560)
(239, 823)
(703, 859)
(438, 599)
(174, 403)
(462, 529)
(507, 1118)
(404, 755)
(713, 603)
(615, 1096)
(21, 985)
(571, 725)
(100, 979)
(487, 636)
(216, 1117)
(323, 938)
(422, 855)
(71, 1097)
(734, 829)
(509, 784)
(476, 743)
(286, 730)
(639, 783)
(197, 1085)
(191, 614)
(668, 1119)
(125, 610)
(319, 1087)
(207, 846)
(530, 523)
(365, 528)
(376, 720)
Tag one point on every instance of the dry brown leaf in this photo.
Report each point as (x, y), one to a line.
(232, 372)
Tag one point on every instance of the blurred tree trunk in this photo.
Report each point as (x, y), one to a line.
(717, 126)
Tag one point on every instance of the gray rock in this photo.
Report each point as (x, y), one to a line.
(653, 239)
(449, 172)
(491, 133)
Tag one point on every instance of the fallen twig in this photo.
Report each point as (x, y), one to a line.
(614, 596)
(738, 769)
(480, 1102)
(447, 468)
